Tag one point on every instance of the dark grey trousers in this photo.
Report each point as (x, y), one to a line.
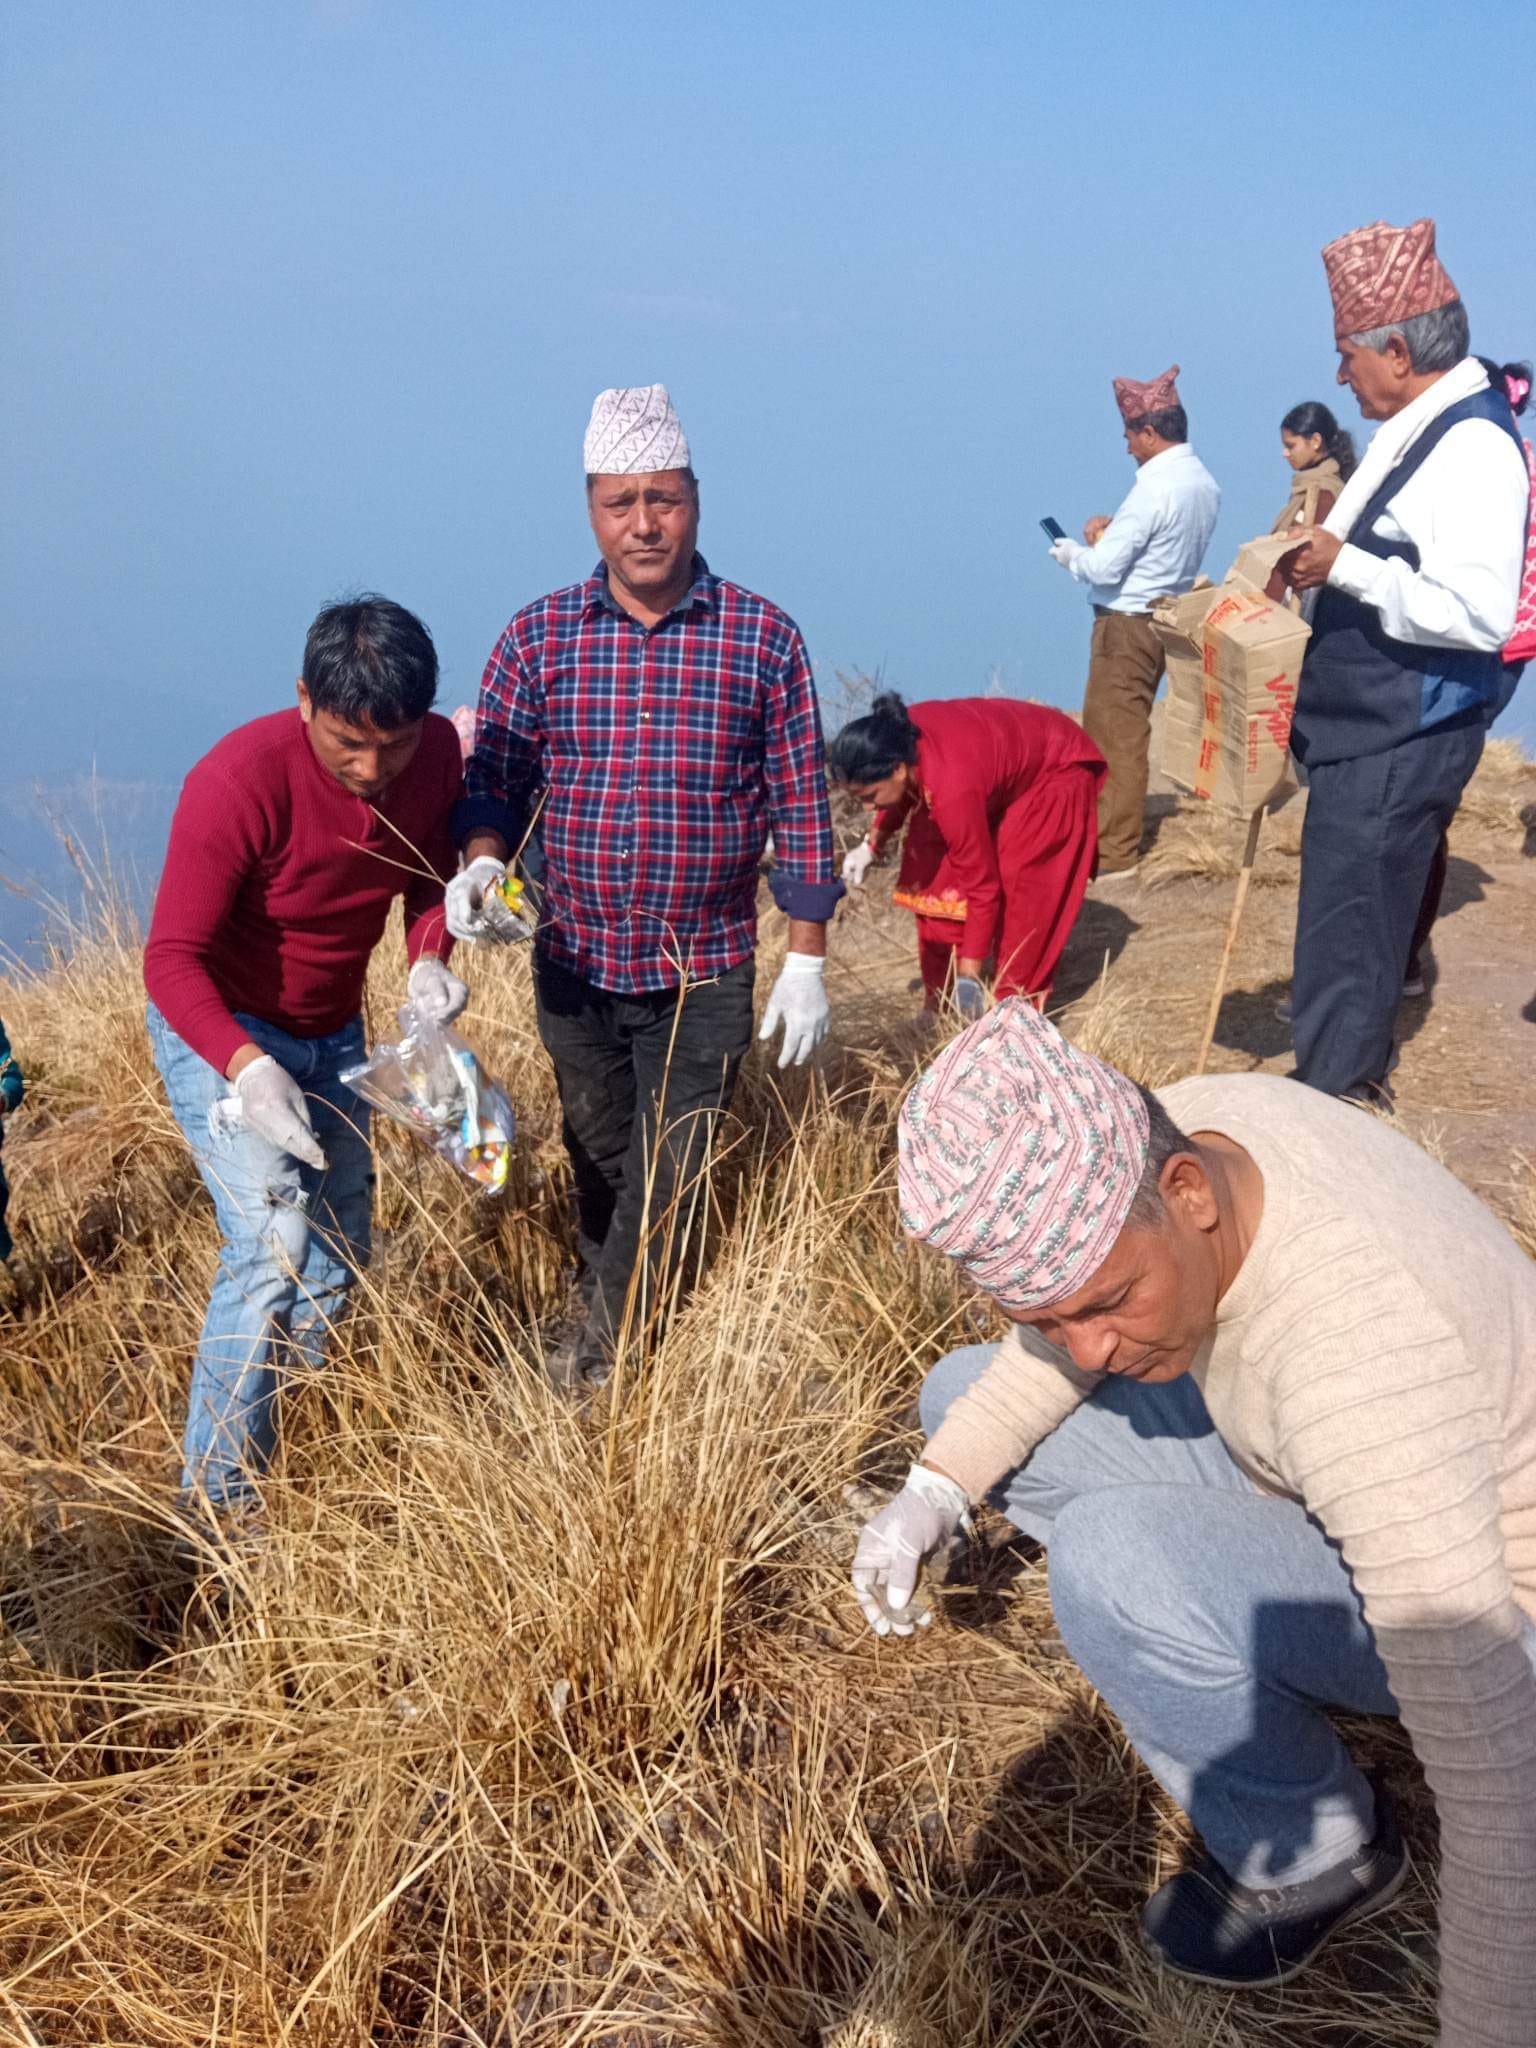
(1372, 830)
(642, 1080)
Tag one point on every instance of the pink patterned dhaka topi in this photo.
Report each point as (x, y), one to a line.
(1381, 275)
(1020, 1157)
(1136, 401)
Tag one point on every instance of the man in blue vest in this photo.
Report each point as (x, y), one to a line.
(1417, 572)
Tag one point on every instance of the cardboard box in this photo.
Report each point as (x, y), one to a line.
(1234, 661)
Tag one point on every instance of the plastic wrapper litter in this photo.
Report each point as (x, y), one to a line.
(433, 1084)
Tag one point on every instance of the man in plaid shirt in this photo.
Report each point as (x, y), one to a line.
(658, 722)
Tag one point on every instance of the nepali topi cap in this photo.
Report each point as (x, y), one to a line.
(1137, 400)
(1020, 1157)
(1380, 276)
(634, 431)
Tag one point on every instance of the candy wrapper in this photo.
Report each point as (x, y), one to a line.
(432, 1082)
(506, 911)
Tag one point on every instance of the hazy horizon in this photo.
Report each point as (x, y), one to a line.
(314, 296)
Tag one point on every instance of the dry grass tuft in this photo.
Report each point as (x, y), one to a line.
(1501, 797)
(517, 1725)
(1198, 842)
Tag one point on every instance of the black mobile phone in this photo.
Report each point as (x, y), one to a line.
(1054, 528)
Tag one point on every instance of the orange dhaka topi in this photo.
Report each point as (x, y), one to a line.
(1381, 275)
(1137, 400)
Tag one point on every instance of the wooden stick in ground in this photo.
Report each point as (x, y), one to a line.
(1245, 876)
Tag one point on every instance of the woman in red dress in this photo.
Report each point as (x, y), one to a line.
(999, 801)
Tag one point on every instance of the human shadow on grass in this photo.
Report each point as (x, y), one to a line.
(1251, 1020)
(1098, 939)
(1465, 882)
(85, 1593)
(1073, 1834)
(981, 1575)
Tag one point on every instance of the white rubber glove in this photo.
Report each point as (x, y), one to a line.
(1064, 551)
(970, 996)
(272, 1105)
(473, 911)
(927, 1512)
(857, 864)
(435, 992)
(799, 1003)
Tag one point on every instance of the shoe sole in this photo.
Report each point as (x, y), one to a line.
(1366, 1910)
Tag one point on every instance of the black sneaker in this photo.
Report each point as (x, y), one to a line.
(1202, 1925)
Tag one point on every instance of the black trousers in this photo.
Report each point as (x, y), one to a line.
(642, 1081)
(1429, 909)
(1368, 847)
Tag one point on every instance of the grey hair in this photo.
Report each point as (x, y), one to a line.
(1434, 341)
(1165, 1141)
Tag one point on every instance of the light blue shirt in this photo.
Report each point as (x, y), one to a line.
(1154, 545)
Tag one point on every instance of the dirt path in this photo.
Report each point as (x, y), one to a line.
(1465, 1084)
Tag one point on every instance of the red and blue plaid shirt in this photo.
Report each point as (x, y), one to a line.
(665, 754)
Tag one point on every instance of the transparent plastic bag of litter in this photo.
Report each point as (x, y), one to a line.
(432, 1083)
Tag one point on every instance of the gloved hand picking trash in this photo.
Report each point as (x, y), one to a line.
(433, 1084)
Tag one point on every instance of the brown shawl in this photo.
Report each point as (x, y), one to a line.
(1314, 493)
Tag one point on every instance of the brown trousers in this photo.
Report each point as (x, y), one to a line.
(1125, 666)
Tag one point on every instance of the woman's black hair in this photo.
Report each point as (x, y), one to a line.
(874, 746)
(370, 662)
(1499, 375)
(1311, 418)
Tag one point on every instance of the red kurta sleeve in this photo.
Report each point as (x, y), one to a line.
(961, 816)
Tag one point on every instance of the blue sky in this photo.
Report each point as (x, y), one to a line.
(312, 295)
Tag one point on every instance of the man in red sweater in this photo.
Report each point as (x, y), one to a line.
(290, 842)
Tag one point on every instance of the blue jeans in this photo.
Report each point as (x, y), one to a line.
(294, 1240)
(1217, 1621)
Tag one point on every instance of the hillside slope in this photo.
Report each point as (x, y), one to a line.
(521, 1725)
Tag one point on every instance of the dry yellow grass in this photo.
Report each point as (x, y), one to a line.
(1501, 797)
(523, 1726)
(1199, 842)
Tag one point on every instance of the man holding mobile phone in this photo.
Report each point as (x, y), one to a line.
(1152, 547)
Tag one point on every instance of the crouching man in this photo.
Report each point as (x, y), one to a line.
(290, 841)
(1270, 1402)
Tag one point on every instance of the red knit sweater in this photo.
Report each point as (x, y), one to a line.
(277, 884)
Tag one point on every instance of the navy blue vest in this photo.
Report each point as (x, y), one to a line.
(1361, 691)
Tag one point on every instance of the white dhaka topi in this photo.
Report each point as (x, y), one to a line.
(634, 431)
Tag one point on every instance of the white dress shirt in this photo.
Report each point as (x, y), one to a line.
(1154, 545)
(1464, 510)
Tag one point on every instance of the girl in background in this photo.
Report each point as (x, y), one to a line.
(1322, 456)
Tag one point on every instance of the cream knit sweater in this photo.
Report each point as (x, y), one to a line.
(1375, 1358)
